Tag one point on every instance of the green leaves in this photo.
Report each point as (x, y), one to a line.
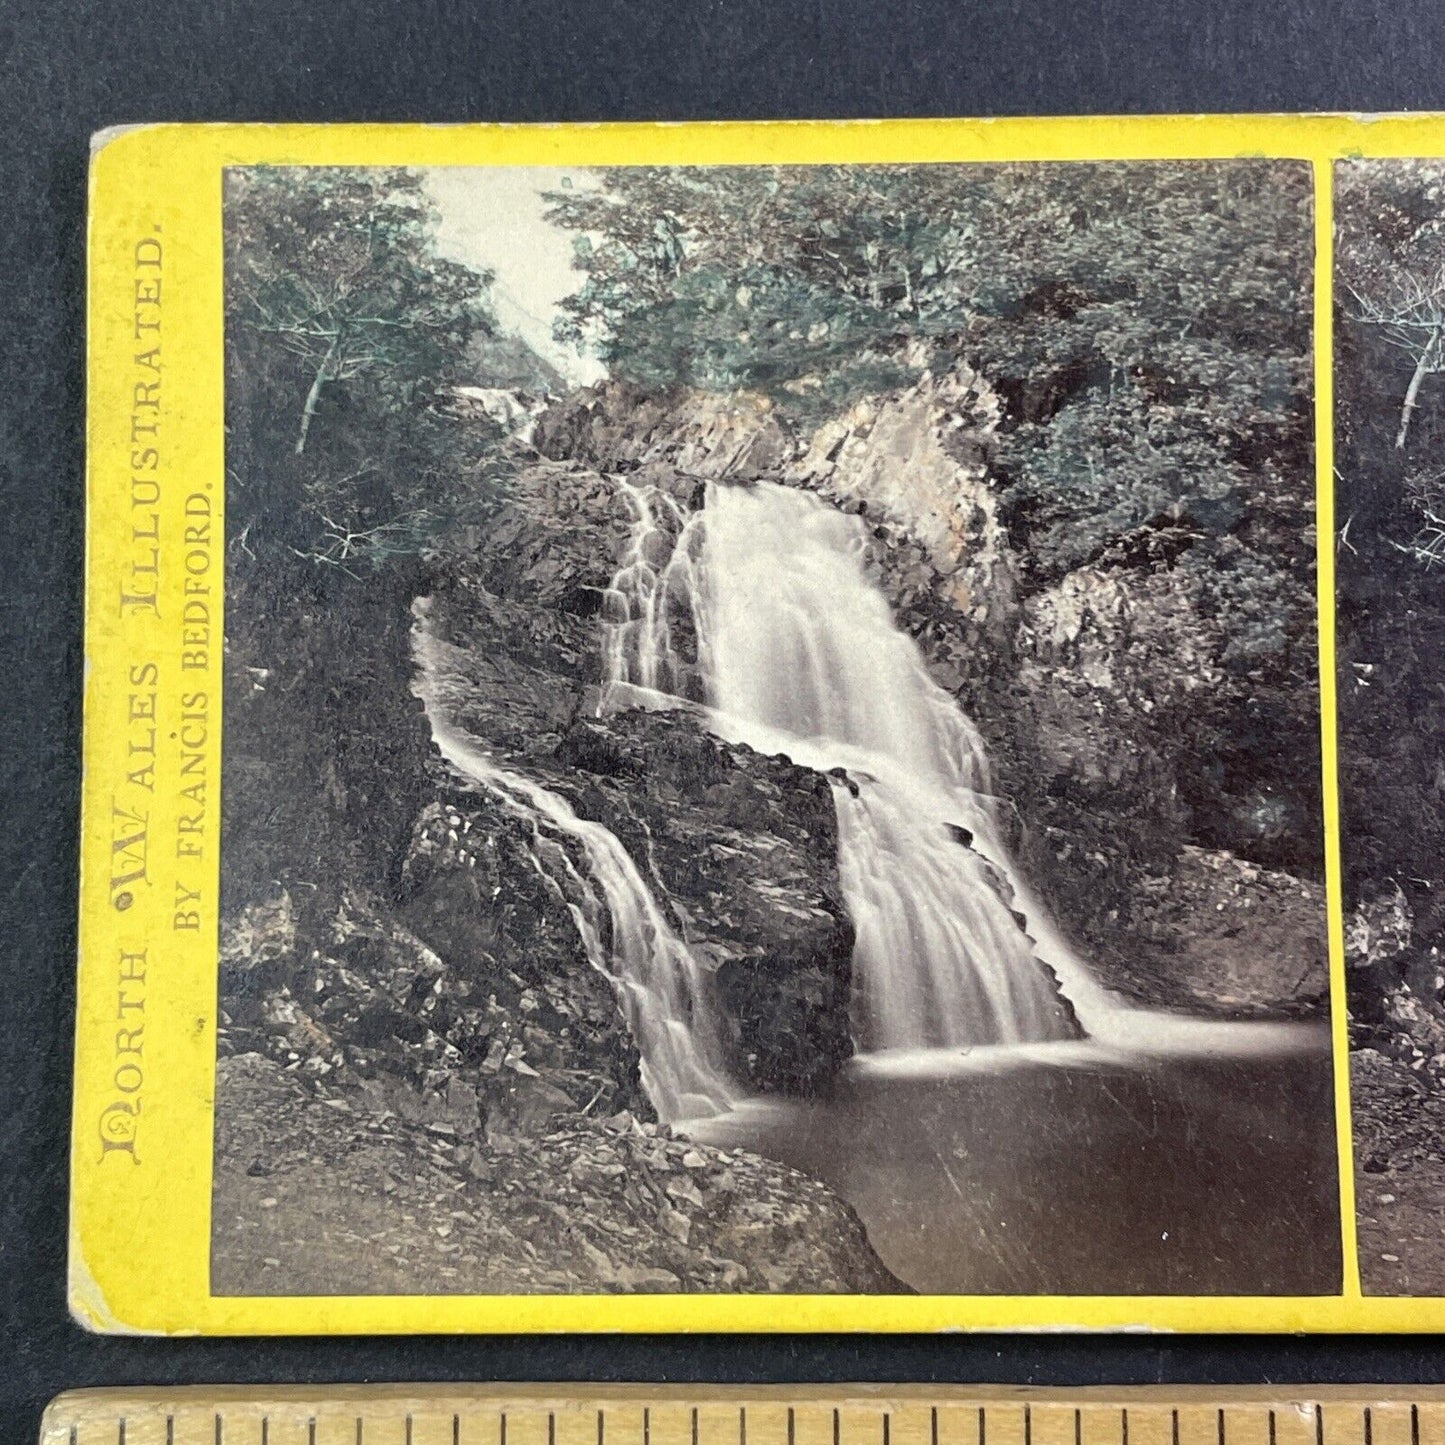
(1167, 299)
(1146, 324)
(337, 268)
(343, 322)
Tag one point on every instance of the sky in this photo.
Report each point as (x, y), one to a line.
(492, 219)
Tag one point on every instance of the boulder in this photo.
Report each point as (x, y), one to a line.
(321, 1189)
(739, 849)
(743, 850)
(1240, 938)
(447, 1033)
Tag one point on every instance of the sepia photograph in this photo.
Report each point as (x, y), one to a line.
(772, 730)
(1390, 520)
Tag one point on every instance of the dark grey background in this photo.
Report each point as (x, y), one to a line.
(68, 69)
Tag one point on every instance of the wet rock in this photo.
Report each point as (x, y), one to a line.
(532, 999)
(618, 427)
(740, 849)
(446, 1042)
(744, 850)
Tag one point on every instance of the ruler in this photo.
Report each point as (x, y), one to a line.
(711, 1415)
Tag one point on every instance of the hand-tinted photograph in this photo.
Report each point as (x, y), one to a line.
(1390, 543)
(772, 729)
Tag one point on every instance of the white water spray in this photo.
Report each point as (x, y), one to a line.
(798, 653)
(795, 651)
(661, 988)
(758, 609)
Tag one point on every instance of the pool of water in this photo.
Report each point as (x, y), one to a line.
(1075, 1169)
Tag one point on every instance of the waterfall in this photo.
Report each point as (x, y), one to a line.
(660, 987)
(796, 651)
(646, 643)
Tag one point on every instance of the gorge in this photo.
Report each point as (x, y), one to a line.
(990, 1084)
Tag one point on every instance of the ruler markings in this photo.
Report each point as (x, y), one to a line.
(764, 1416)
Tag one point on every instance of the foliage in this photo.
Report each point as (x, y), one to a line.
(1148, 329)
(1392, 265)
(1148, 324)
(343, 324)
(1390, 501)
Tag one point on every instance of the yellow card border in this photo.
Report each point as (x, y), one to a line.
(142, 1128)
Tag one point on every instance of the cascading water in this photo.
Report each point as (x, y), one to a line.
(758, 610)
(627, 937)
(646, 647)
(796, 651)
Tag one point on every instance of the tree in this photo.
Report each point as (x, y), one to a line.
(1409, 309)
(343, 325)
(1148, 324)
(1392, 267)
(1148, 328)
(337, 266)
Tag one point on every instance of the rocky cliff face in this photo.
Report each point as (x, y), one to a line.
(744, 849)
(618, 427)
(740, 848)
(404, 986)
